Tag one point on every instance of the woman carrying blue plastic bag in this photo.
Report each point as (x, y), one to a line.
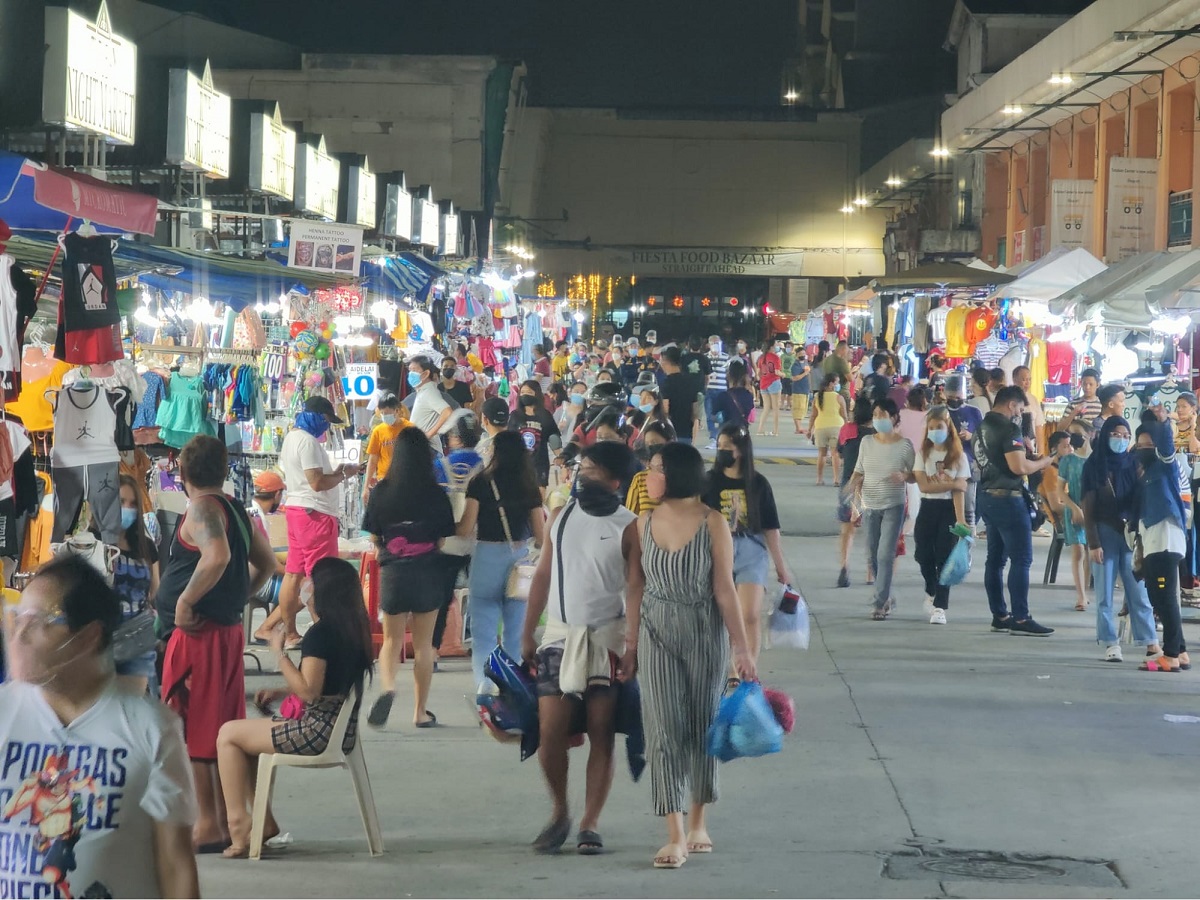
(941, 472)
(678, 639)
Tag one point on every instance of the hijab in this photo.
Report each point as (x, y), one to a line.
(1105, 467)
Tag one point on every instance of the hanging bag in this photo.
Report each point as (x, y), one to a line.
(520, 576)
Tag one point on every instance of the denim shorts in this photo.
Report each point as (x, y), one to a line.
(143, 665)
(750, 559)
(775, 388)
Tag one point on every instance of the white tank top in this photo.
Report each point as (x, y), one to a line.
(593, 566)
(10, 348)
(85, 427)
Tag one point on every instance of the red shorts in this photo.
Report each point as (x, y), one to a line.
(204, 683)
(92, 346)
(312, 536)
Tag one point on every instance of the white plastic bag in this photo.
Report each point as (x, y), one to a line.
(789, 625)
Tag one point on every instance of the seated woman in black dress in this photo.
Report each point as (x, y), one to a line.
(335, 658)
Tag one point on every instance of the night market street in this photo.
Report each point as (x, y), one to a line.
(910, 738)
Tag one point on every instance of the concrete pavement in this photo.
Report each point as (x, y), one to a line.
(912, 742)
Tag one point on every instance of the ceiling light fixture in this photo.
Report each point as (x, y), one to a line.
(1061, 78)
(894, 181)
(940, 152)
(847, 208)
(861, 201)
(1013, 110)
(791, 96)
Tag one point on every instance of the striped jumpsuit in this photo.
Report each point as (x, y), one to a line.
(682, 658)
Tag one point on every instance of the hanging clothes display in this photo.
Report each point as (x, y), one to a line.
(990, 351)
(84, 458)
(154, 392)
(937, 323)
(10, 344)
(33, 408)
(979, 324)
(182, 416)
(1013, 359)
(88, 318)
(957, 345)
(1037, 368)
(18, 444)
(1060, 362)
(920, 332)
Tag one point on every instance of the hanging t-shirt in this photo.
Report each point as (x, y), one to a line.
(80, 801)
(937, 323)
(1060, 362)
(979, 325)
(1166, 395)
(920, 332)
(32, 406)
(957, 345)
(1037, 368)
(88, 317)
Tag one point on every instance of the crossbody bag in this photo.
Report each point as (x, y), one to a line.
(520, 576)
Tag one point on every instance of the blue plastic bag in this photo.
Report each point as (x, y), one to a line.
(958, 563)
(745, 725)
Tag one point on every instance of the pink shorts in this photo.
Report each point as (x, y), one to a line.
(312, 536)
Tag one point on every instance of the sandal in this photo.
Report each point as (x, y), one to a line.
(669, 857)
(699, 842)
(553, 836)
(381, 709)
(879, 614)
(1157, 665)
(589, 843)
(1080, 607)
(431, 722)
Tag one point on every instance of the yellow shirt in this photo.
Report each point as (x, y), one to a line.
(560, 366)
(638, 500)
(382, 440)
(957, 345)
(31, 405)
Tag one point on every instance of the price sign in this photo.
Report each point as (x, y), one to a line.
(274, 361)
(360, 380)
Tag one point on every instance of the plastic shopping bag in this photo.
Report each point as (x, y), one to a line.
(789, 625)
(745, 725)
(958, 563)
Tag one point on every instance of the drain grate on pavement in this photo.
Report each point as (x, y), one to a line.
(943, 864)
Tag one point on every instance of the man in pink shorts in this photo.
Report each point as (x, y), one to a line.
(313, 501)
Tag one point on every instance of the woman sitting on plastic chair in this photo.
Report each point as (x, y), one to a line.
(335, 656)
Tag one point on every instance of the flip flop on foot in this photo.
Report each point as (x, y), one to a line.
(211, 847)
(699, 842)
(589, 843)
(431, 722)
(1157, 665)
(378, 716)
(553, 836)
(672, 856)
(235, 852)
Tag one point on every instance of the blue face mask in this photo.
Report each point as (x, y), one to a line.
(388, 419)
(577, 399)
(312, 423)
(647, 407)
(939, 435)
(414, 379)
(128, 517)
(882, 426)
(1118, 444)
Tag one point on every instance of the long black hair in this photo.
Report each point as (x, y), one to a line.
(410, 479)
(135, 534)
(512, 470)
(740, 436)
(338, 602)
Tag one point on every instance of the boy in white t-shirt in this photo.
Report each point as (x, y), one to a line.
(96, 794)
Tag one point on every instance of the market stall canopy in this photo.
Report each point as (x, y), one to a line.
(857, 298)
(941, 275)
(39, 197)
(1130, 295)
(1053, 275)
(399, 275)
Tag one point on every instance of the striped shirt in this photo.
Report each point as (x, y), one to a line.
(877, 462)
(719, 363)
(638, 499)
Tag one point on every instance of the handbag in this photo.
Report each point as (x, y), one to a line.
(134, 637)
(520, 576)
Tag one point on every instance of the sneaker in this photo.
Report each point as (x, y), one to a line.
(1002, 626)
(1029, 628)
(1113, 654)
(928, 605)
(938, 617)
(712, 445)
(843, 578)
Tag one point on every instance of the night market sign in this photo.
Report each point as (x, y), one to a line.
(317, 176)
(89, 80)
(198, 119)
(714, 261)
(272, 155)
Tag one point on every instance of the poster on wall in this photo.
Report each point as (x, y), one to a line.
(1037, 243)
(328, 247)
(1072, 210)
(1132, 192)
(1018, 247)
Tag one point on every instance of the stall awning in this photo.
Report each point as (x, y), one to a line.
(1130, 295)
(1053, 275)
(858, 298)
(39, 197)
(935, 275)
(395, 276)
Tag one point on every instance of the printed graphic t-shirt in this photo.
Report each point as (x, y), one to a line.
(728, 496)
(78, 802)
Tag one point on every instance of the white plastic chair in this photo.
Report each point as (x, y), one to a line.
(333, 757)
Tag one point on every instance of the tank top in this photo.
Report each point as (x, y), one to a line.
(225, 602)
(828, 415)
(10, 345)
(85, 427)
(592, 568)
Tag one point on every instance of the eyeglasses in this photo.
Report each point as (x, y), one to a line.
(37, 617)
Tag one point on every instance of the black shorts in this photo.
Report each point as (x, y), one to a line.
(420, 585)
(787, 387)
(549, 664)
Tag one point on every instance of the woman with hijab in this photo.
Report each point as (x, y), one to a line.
(1110, 480)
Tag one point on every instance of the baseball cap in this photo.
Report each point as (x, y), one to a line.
(495, 411)
(324, 407)
(268, 482)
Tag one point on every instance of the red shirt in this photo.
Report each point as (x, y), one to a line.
(769, 365)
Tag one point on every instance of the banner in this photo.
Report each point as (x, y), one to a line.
(328, 247)
(1132, 207)
(1072, 204)
(715, 261)
(1018, 248)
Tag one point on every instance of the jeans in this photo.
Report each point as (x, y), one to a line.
(1009, 541)
(969, 496)
(934, 542)
(710, 413)
(1162, 586)
(883, 531)
(490, 565)
(1118, 562)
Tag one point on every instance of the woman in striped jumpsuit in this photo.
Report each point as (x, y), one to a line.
(679, 636)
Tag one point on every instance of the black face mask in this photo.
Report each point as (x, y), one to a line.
(594, 498)
(448, 374)
(724, 459)
(954, 402)
(1146, 456)
(528, 400)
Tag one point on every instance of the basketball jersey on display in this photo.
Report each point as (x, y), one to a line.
(88, 318)
(85, 426)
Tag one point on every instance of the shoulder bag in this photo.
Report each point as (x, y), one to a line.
(520, 576)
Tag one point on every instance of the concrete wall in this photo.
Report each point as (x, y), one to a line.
(420, 114)
(629, 182)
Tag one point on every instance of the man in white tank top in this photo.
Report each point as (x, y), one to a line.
(590, 565)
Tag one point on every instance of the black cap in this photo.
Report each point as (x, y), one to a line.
(495, 411)
(324, 407)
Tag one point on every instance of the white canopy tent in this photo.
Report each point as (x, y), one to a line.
(1131, 294)
(857, 298)
(1060, 270)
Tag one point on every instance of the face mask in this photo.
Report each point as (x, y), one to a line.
(388, 418)
(725, 459)
(954, 402)
(128, 517)
(448, 373)
(1077, 441)
(1118, 444)
(656, 485)
(938, 435)
(528, 400)
(741, 348)
(312, 423)
(882, 426)
(1146, 456)
(414, 379)
(577, 399)
(647, 408)
(616, 358)
(594, 498)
